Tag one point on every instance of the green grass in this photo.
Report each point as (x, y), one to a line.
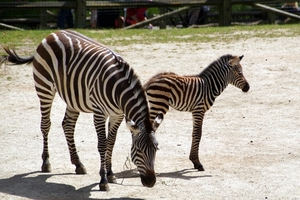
(31, 38)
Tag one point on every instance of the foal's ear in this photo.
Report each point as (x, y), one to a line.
(235, 60)
(134, 129)
(158, 120)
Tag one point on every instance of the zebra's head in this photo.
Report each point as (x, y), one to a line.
(143, 149)
(237, 77)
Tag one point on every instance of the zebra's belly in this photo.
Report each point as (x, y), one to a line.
(87, 98)
(180, 106)
(77, 101)
(84, 104)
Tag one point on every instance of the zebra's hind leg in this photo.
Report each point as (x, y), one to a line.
(68, 125)
(46, 98)
(196, 137)
(114, 123)
(45, 127)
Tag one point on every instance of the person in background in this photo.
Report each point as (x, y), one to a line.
(107, 18)
(65, 15)
(197, 16)
(291, 7)
(94, 16)
(135, 15)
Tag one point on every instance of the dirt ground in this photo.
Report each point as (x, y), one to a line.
(250, 147)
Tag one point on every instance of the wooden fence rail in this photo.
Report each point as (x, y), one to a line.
(80, 7)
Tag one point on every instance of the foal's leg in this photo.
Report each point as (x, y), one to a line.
(68, 125)
(114, 123)
(196, 137)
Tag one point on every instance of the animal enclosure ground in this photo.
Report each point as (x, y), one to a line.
(250, 146)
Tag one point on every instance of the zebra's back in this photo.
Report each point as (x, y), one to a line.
(171, 88)
(71, 64)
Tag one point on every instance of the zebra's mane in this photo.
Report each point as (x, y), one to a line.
(216, 64)
(138, 85)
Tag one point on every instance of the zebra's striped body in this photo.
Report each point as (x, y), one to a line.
(195, 94)
(91, 78)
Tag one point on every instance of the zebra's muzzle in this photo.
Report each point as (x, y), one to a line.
(148, 179)
(246, 87)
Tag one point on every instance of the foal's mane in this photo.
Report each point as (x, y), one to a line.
(216, 64)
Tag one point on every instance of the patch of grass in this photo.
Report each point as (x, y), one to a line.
(31, 38)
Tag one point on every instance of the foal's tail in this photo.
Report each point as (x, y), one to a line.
(13, 58)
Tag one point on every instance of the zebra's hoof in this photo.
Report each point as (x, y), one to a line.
(80, 170)
(46, 168)
(104, 187)
(112, 179)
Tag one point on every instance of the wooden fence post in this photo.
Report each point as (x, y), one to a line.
(43, 18)
(225, 13)
(162, 23)
(80, 14)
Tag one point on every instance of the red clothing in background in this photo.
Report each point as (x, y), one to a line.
(139, 13)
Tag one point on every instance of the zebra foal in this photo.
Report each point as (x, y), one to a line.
(91, 78)
(195, 94)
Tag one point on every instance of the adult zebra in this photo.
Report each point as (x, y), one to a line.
(91, 78)
(195, 94)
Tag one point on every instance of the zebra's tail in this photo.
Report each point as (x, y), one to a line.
(13, 58)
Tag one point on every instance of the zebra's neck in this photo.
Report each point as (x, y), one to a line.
(133, 101)
(216, 79)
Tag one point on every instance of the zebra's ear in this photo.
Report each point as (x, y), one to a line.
(132, 126)
(158, 120)
(235, 60)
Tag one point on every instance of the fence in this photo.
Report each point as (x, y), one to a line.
(81, 6)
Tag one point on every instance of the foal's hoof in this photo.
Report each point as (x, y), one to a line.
(112, 179)
(46, 168)
(104, 187)
(80, 170)
(199, 167)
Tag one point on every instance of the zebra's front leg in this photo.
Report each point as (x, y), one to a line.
(114, 123)
(99, 122)
(68, 125)
(196, 137)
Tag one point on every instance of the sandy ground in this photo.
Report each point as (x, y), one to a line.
(250, 147)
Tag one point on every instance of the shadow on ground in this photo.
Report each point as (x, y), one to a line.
(181, 174)
(33, 185)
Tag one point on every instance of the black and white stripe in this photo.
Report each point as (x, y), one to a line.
(91, 78)
(195, 94)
